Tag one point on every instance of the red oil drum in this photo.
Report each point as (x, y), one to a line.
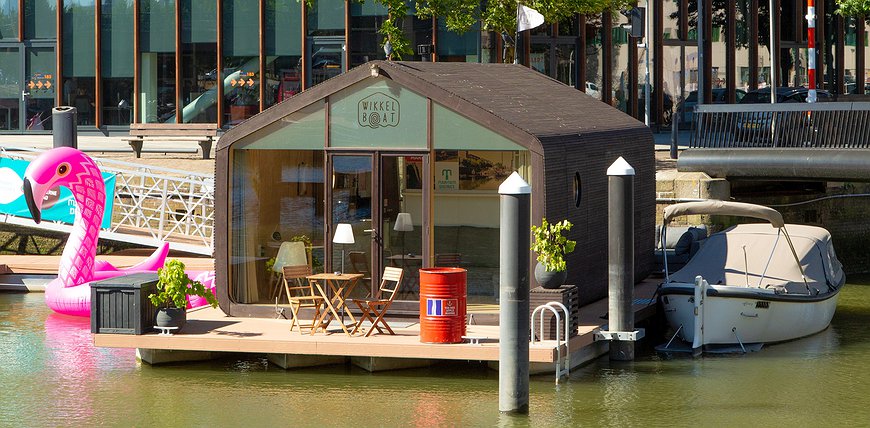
(442, 304)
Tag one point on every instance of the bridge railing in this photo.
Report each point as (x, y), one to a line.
(833, 125)
(152, 204)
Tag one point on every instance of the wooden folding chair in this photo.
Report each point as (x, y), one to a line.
(301, 294)
(448, 259)
(375, 309)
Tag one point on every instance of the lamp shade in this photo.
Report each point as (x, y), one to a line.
(403, 223)
(343, 234)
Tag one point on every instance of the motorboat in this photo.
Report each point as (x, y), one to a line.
(750, 284)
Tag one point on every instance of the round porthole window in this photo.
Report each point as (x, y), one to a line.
(577, 189)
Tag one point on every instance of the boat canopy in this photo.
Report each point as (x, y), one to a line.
(724, 208)
(753, 253)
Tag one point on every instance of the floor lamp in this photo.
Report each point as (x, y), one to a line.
(343, 235)
(403, 224)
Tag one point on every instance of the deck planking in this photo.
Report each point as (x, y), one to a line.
(212, 331)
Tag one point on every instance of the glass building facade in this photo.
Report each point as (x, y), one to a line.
(222, 61)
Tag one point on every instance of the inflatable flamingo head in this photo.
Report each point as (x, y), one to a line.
(56, 167)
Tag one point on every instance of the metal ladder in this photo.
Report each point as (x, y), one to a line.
(562, 362)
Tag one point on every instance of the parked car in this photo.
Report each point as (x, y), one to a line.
(784, 95)
(756, 126)
(592, 90)
(720, 96)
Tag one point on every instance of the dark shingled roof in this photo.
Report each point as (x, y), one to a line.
(534, 111)
(535, 103)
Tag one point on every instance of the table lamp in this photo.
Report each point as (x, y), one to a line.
(403, 224)
(343, 235)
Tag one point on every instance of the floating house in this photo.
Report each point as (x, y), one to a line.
(410, 155)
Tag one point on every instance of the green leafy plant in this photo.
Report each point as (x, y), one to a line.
(551, 246)
(315, 262)
(174, 286)
(270, 264)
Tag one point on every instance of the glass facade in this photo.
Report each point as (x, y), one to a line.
(8, 19)
(387, 216)
(176, 76)
(241, 60)
(199, 56)
(283, 50)
(117, 68)
(10, 87)
(157, 61)
(40, 19)
(78, 59)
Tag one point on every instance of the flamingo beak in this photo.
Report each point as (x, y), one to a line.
(31, 203)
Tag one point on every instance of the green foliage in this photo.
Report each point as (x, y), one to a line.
(501, 15)
(551, 246)
(854, 8)
(495, 15)
(270, 264)
(174, 286)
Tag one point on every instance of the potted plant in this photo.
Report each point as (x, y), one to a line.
(551, 247)
(173, 287)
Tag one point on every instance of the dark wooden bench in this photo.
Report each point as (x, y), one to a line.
(202, 133)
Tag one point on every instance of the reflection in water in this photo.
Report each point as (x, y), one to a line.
(51, 375)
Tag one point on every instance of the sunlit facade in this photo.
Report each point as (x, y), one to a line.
(222, 61)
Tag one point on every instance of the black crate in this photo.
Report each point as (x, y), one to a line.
(120, 305)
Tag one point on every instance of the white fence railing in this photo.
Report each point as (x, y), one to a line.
(151, 205)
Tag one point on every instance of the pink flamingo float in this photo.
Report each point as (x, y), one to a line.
(70, 293)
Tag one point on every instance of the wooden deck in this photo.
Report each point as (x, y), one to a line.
(210, 330)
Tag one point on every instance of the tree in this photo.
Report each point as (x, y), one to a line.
(494, 15)
(854, 8)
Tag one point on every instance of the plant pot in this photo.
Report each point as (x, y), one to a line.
(550, 280)
(171, 317)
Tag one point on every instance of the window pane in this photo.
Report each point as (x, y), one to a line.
(283, 50)
(241, 73)
(276, 196)
(304, 129)
(450, 130)
(365, 20)
(594, 57)
(10, 88)
(78, 58)
(157, 82)
(326, 18)
(117, 61)
(619, 62)
(566, 64)
(466, 213)
(282, 76)
(40, 68)
(40, 18)
(283, 28)
(539, 58)
(377, 113)
(199, 61)
(454, 47)
(241, 27)
(8, 19)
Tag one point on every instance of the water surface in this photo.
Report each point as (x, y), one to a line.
(51, 375)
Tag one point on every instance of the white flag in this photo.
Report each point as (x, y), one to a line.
(528, 18)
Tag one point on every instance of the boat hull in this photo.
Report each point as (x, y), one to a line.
(741, 315)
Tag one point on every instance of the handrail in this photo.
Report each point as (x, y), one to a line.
(832, 125)
(561, 335)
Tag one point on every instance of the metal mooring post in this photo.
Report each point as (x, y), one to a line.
(620, 232)
(63, 125)
(513, 347)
